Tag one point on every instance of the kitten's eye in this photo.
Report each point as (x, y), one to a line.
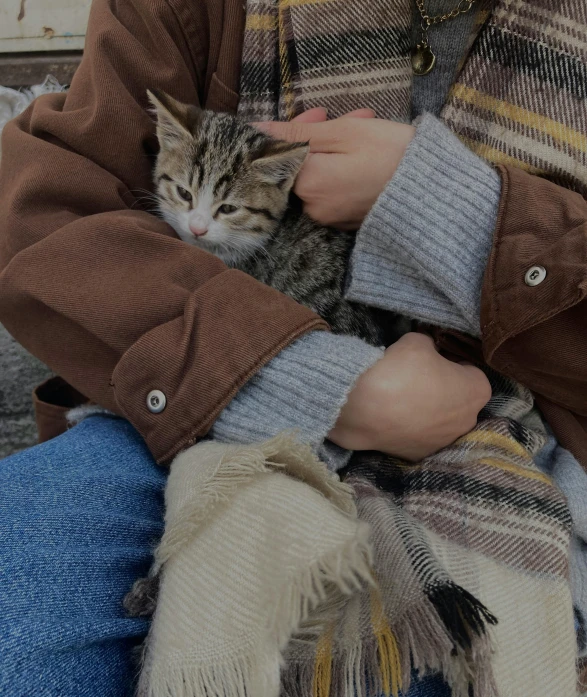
(226, 209)
(184, 193)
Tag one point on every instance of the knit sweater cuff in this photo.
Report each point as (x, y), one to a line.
(423, 248)
(303, 388)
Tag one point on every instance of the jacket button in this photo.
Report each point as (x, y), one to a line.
(156, 401)
(535, 275)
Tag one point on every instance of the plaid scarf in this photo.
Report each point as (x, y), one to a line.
(468, 547)
(521, 98)
(338, 54)
(278, 579)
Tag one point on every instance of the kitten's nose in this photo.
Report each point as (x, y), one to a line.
(198, 231)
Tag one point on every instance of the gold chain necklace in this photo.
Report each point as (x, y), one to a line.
(423, 60)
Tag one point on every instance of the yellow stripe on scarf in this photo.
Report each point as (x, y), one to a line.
(515, 469)
(260, 23)
(323, 666)
(500, 158)
(496, 439)
(554, 129)
(510, 446)
(389, 658)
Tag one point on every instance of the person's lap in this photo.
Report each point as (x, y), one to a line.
(79, 518)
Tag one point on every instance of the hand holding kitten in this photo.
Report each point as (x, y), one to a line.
(351, 160)
(412, 402)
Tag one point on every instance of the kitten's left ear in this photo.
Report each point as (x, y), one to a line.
(175, 120)
(280, 163)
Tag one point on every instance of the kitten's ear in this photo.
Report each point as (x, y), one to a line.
(279, 162)
(175, 120)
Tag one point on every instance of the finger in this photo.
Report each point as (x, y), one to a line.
(292, 131)
(360, 114)
(321, 136)
(315, 115)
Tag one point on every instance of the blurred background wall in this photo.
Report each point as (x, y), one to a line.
(40, 37)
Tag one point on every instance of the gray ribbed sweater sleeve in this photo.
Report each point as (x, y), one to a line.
(303, 388)
(423, 248)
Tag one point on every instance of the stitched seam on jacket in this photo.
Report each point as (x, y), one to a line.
(206, 423)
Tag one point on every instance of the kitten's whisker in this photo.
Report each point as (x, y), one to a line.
(154, 201)
(262, 251)
(167, 214)
(148, 196)
(142, 191)
(256, 249)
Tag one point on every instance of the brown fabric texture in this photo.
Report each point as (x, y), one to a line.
(538, 335)
(79, 258)
(95, 286)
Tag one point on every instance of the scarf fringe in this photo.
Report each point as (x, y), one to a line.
(462, 614)
(348, 569)
(235, 678)
(447, 634)
(429, 646)
(384, 665)
(141, 600)
(236, 468)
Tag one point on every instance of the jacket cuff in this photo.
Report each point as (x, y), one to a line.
(423, 248)
(196, 363)
(303, 389)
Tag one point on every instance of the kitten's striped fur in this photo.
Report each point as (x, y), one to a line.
(235, 183)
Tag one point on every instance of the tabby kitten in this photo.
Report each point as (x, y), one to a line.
(226, 187)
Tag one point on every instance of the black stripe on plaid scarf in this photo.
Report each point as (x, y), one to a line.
(403, 480)
(535, 58)
(460, 612)
(353, 47)
(260, 76)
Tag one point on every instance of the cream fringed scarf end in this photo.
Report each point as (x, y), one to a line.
(278, 579)
(256, 539)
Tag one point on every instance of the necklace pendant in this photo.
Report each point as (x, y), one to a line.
(423, 60)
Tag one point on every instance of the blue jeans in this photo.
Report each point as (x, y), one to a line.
(79, 518)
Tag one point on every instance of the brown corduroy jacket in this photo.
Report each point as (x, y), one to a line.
(107, 296)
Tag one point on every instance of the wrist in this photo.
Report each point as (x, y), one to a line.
(303, 389)
(423, 248)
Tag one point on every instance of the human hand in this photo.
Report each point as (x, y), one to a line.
(351, 160)
(319, 114)
(412, 402)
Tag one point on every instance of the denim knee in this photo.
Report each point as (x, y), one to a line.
(79, 518)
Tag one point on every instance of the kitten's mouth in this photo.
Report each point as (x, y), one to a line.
(201, 241)
(220, 249)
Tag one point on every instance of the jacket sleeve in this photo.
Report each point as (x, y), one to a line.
(92, 283)
(538, 333)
